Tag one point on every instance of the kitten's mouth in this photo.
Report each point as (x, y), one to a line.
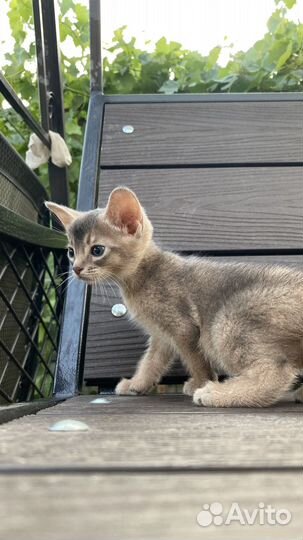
(88, 279)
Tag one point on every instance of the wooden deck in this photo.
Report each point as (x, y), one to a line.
(145, 468)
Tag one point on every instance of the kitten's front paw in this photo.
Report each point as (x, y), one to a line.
(208, 395)
(122, 388)
(132, 387)
(190, 386)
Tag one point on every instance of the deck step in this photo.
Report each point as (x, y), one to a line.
(146, 467)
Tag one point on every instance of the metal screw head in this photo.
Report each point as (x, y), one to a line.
(128, 129)
(101, 401)
(118, 310)
(68, 425)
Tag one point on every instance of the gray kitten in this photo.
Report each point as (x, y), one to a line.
(242, 320)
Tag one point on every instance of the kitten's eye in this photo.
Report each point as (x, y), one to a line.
(71, 252)
(97, 251)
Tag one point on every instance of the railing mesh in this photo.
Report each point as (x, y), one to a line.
(31, 303)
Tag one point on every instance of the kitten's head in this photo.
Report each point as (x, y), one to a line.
(109, 242)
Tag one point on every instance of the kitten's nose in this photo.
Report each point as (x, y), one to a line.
(77, 270)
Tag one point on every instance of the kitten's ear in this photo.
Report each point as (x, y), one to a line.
(124, 210)
(64, 214)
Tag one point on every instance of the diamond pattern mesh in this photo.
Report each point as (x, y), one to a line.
(31, 301)
(16, 200)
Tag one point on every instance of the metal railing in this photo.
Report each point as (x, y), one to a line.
(33, 263)
(72, 344)
(30, 321)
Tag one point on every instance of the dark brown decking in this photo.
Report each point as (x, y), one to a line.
(145, 468)
(224, 209)
(203, 133)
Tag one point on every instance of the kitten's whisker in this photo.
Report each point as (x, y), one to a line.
(64, 281)
(62, 274)
(115, 281)
(59, 280)
(106, 283)
(102, 289)
(73, 278)
(114, 293)
(110, 300)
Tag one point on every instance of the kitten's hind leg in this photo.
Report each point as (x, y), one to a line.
(198, 368)
(261, 384)
(152, 366)
(192, 384)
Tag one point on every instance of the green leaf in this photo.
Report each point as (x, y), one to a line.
(284, 57)
(290, 3)
(82, 14)
(213, 57)
(169, 87)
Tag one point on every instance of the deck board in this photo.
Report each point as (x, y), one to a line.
(209, 209)
(146, 467)
(144, 507)
(169, 431)
(202, 133)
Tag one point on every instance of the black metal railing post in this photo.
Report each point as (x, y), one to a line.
(16, 103)
(96, 80)
(73, 335)
(50, 87)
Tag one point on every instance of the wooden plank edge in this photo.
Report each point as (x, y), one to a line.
(216, 97)
(16, 470)
(18, 410)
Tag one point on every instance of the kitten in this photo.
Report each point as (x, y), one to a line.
(243, 320)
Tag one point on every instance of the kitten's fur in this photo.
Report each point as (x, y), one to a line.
(243, 320)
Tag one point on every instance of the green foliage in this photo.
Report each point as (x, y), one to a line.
(20, 70)
(272, 64)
